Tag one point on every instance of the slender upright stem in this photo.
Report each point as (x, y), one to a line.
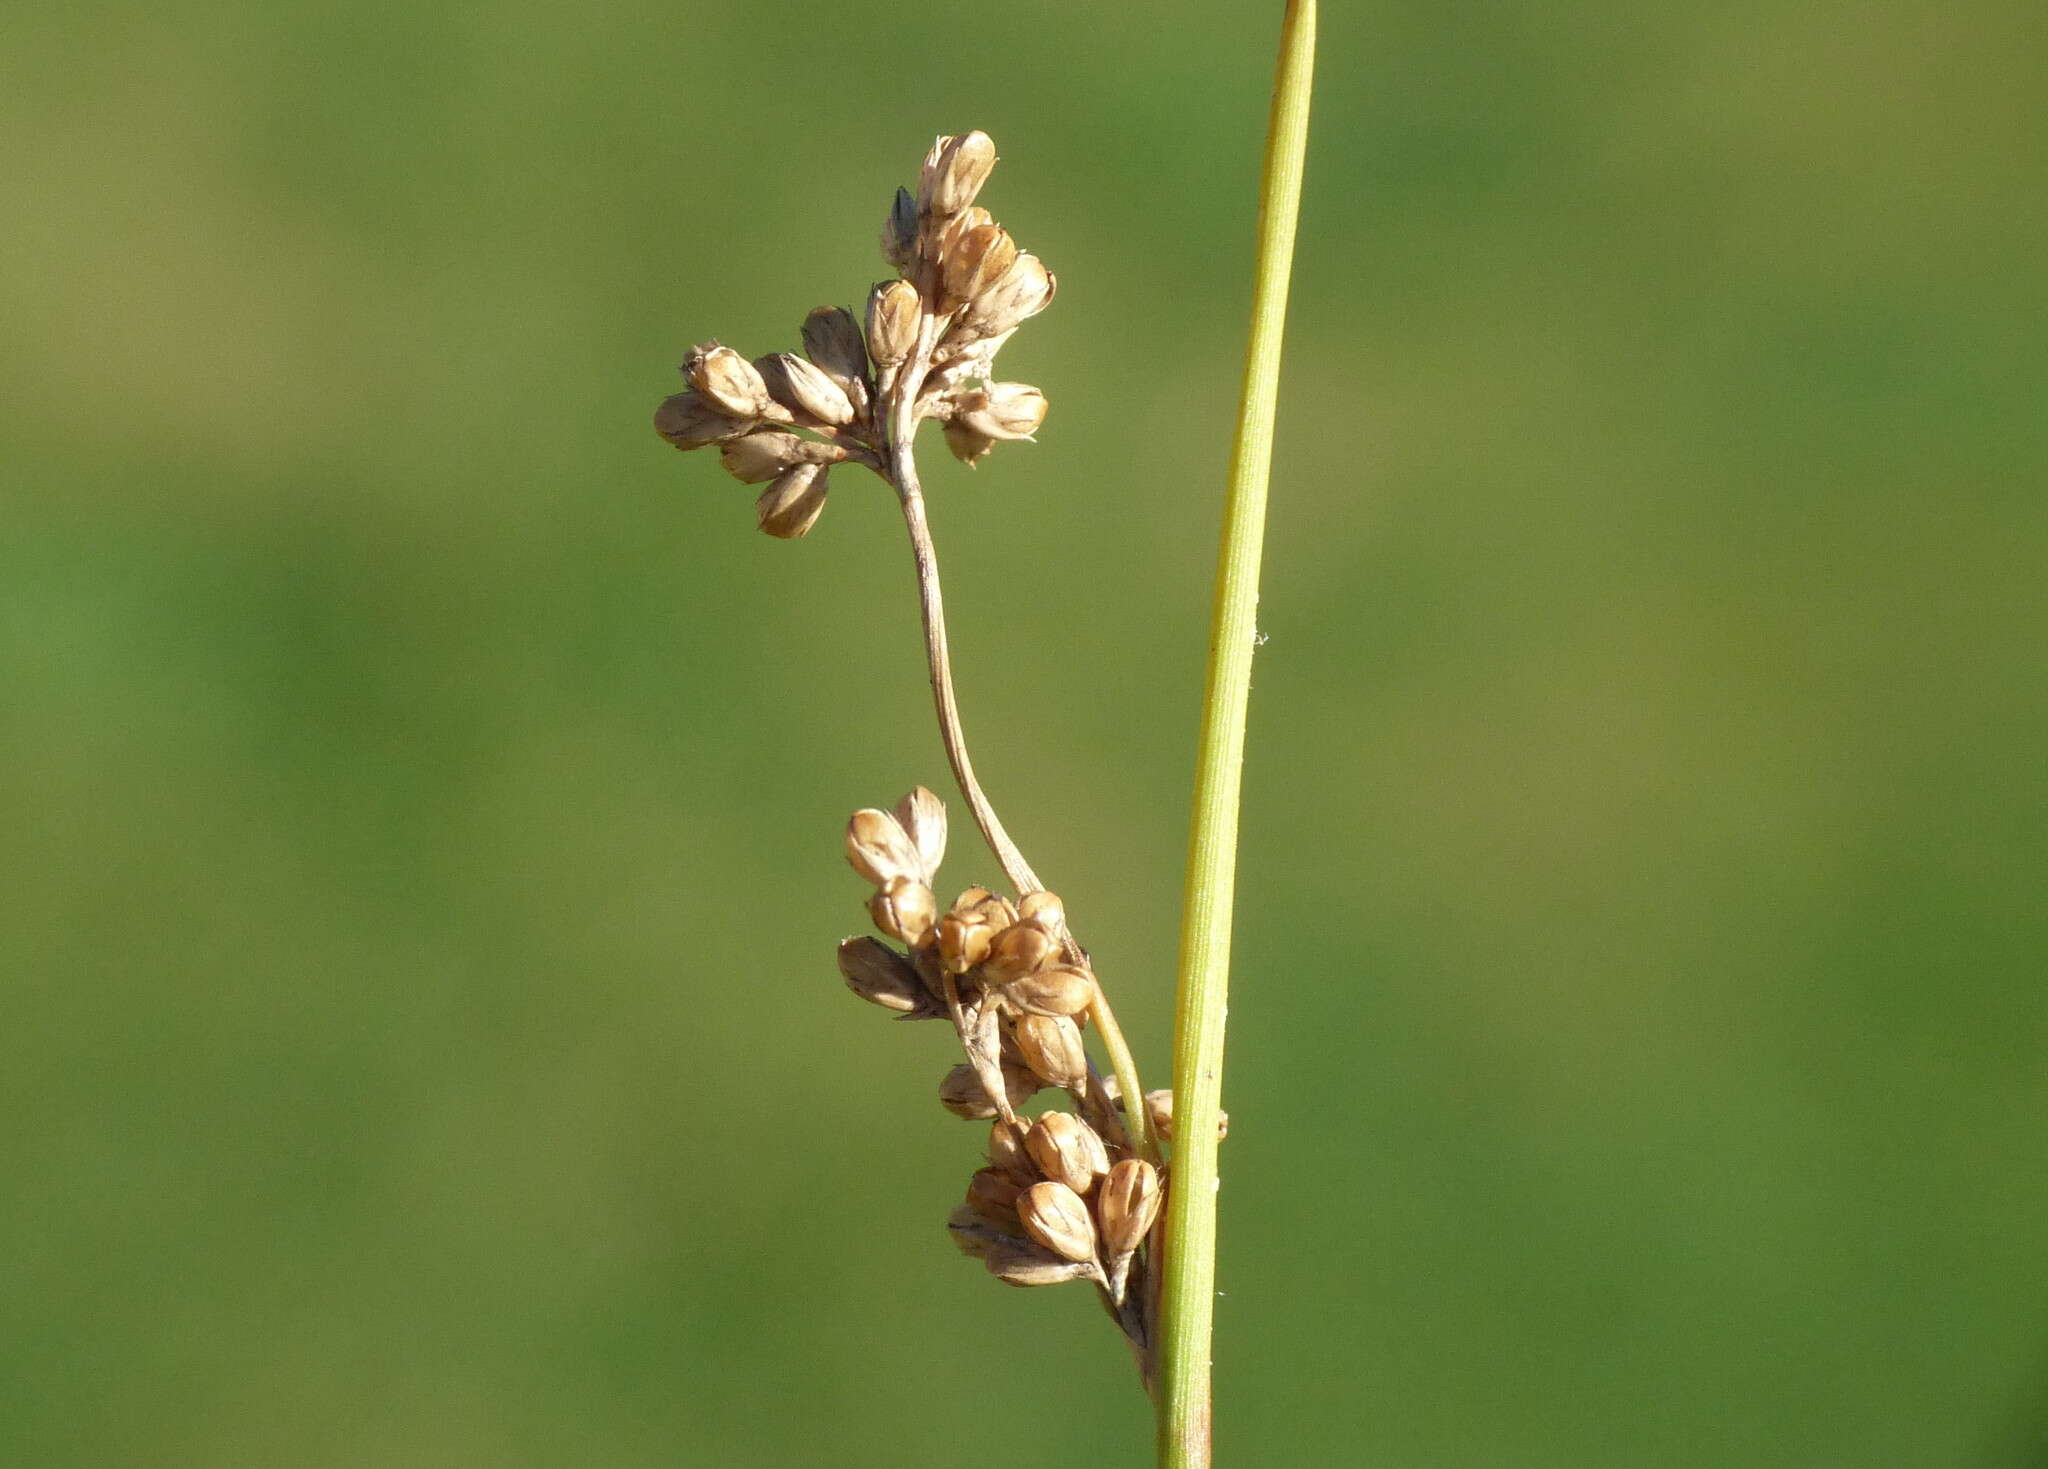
(1185, 1437)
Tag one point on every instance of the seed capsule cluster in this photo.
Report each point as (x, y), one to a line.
(924, 349)
(1063, 1197)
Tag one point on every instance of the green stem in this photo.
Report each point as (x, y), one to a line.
(1190, 1241)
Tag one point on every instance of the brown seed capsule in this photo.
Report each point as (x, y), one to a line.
(792, 503)
(1017, 951)
(1159, 1111)
(1006, 1152)
(899, 231)
(976, 261)
(805, 389)
(1054, 1215)
(1127, 1205)
(1059, 990)
(1024, 1264)
(967, 445)
(728, 380)
(904, 909)
(880, 975)
(962, 1094)
(954, 172)
(993, 1195)
(1044, 910)
(760, 457)
(964, 939)
(893, 312)
(1003, 410)
(1067, 1150)
(922, 816)
(1051, 1046)
(834, 341)
(975, 1234)
(878, 847)
(689, 421)
(972, 897)
(1019, 294)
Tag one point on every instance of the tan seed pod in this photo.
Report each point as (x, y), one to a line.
(1027, 1265)
(731, 383)
(1003, 410)
(1021, 1083)
(1067, 1150)
(760, 457)
(954, 172)
(1058, 990)
(1045, 910)
(964, 939)
(1055, 1216)
(1006, 1152)
(975, 1234)
(793, 501)
(967, 445)
(904, 909)
(805, 389)
(899, 231)
(962, 1094)
(1019, 294)
(1127, 1205)
(689, 421)
(1051, 1046)
(893, 313)
(993, 1195)
(972, 897)
(881, 976)
(976, 261)
(1000, 910)
(1019, 950)
(879, 849)
(834, 341)
(1159, 1111)
(922, 816)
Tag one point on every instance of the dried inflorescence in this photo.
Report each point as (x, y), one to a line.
(924, 349)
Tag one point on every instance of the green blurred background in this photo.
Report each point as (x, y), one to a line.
(421, 789)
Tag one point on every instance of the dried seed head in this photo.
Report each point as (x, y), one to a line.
(968, 445)
(1043, 909)
(880, 849)
(1026, 1264)
(922, 816)
(834, 341)
(791, 505)
(690, 421)
(1054, 1215)
(1006, 1152)
(1003, 410)
(880, 975)
(760, 457)
(954, 172)
(893, 312)
(1159, 1111)
(1127, 1205)
(904, 909)
(977, 260)
(1022, 291)
(805, 388)
(1017, 951)
(899, 231)
(731, 382)
(1059, 990)
(1067, 1150)
(1051, 1046)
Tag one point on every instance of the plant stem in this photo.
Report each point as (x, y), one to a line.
(1188, 1309)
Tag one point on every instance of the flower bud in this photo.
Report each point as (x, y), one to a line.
(899, 231)
(1054, 1215)
(732, 383)
(954, 172)
(761, 456)
(1026, 1265)
(922, 816)
(791, 505)
(1051, 1046)
(976, 261)
(880, 975)
(904, 909)
(1003, 410)
(879, 849)
(1127, 1205)
(893, 312)
(804, 388)
(1060, 990)
(833, 339)
(1024, 290)
(689, 421)
(1067, 1150)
